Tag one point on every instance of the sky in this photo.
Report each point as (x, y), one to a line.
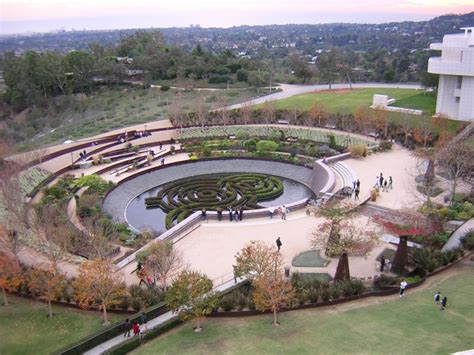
(19, 16)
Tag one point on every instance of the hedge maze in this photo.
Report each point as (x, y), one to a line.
(181, 198)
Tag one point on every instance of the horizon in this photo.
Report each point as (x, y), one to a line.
(41, 16)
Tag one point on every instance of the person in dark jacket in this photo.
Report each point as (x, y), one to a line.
(230, 214)
(382, 263)
(278, 243)
(444, 303)
(219, 214)
(128, 327)
(241, 213)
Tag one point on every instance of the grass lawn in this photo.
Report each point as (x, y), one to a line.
(411, 325)
(347, 101)
(25, 329)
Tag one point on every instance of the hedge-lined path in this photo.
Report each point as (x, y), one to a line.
(153, 323)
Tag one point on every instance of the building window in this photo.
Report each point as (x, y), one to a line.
(459, 85)
(458, 99)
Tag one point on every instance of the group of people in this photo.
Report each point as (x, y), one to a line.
(83, 155)
(383, 183)
(135, 326)
(141, 134)
(282, 211)
(235, 214)
(438, 300)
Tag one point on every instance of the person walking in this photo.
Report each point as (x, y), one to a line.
(278, 243)
(236, 215)
(283, 212)
(230, 214)
(390, 183)
(444, 303)
(144, 321)
(377, 182)
(381, 180)
(356, 195)
(385, 189)
(437, 297)
(219, 214)
(271, 211)
(382, 263)
(358, 184)
(241, 213)
(354, 185)
(128, 328)
(203, 214)
(403, 286)
(136, 329)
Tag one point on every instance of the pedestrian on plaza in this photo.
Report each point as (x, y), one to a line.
(381, 180)
(437, 297)
(283, 212)
(230, 214)
(444, 303)
(161, 146)
(162, 161)
(385, 189)
(377, 182)
(136, 329)
(236, 215)
(356, 195)
(390, 183)
(219, 214)
(358, 184)
(403, 286)
(382, 263)
(354, 185)
(271, 211)
(128, 328)
(144, 321)
(203, 214)
(241, 213)
(278, 243)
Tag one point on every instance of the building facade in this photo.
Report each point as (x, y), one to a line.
(456, 75)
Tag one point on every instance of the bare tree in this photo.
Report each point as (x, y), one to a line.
(246, 113)
(163, 261)
(457, 161)
(269, 111)
(201, 111)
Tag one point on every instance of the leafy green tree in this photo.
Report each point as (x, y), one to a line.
(191, 296)
(80, 70)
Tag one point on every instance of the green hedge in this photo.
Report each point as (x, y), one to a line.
(181, 198)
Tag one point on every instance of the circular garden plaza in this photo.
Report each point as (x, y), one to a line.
(171, 222)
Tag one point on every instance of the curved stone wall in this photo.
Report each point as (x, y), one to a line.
(117, 200)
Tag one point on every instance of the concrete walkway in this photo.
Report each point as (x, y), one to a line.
(455, 239)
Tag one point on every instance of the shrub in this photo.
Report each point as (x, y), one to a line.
(385, 280)
(426, 259)
(468, 240)
(352, 288)
(165, 87)
(267, 146)
(228, 302)
(332, 141)
(385, 145)
(251, 145)
(358, 150)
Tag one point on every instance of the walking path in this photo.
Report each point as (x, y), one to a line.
(455, 239)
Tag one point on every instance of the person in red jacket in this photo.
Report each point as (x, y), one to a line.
(136, 329)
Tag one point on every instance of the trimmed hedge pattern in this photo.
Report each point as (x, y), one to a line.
(181, 198)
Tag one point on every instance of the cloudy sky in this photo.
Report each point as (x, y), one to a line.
(44, 15)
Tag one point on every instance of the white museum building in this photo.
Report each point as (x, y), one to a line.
(456, 75)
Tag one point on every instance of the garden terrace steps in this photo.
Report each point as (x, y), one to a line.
(345, 173)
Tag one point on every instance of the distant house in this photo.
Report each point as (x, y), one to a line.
(456, 75)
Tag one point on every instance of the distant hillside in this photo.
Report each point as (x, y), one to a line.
(263, 40)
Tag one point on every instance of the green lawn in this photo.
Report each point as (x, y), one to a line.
(25, 328)
(347, 101)
(411, 325)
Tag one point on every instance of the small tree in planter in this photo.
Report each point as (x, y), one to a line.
(191, 296)
(172, 150)
(339, 236)
(405, 224)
